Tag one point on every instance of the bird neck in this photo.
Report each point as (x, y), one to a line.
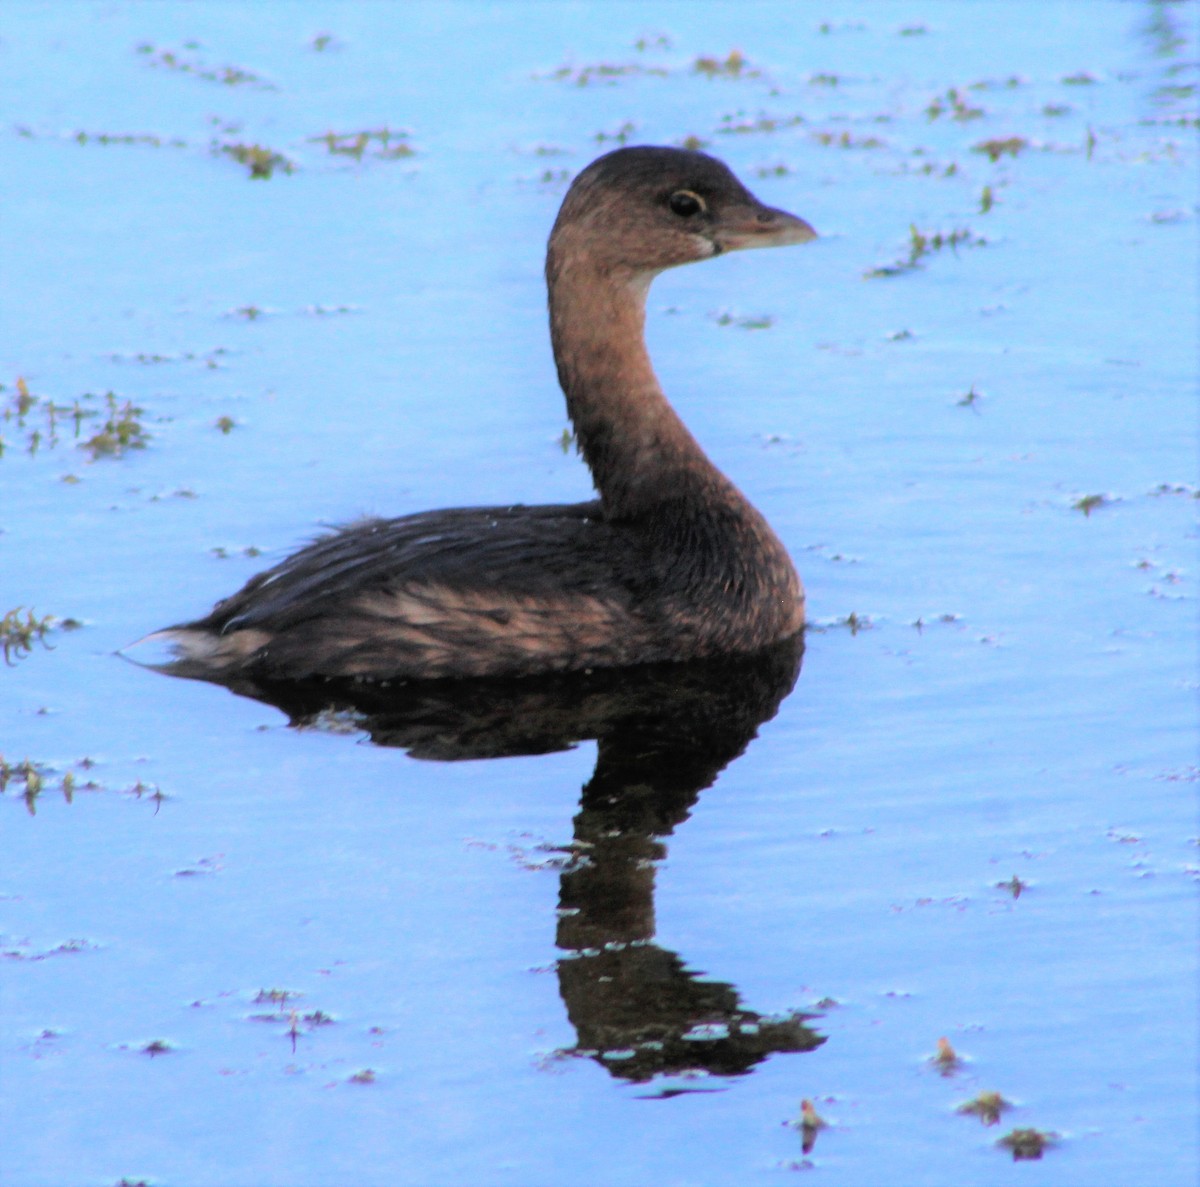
(639, 452)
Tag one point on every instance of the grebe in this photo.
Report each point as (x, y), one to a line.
(670, 563)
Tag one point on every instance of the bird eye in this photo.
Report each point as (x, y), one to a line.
(685, 203)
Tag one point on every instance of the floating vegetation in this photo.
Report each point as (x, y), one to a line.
(922, 244)
(262, 162)
(1089, 503)
(30, 775)
(122, 430)
(780, 170)
(1011, 146)
(324, 41)
(384, 144)
(606, 73)
(619, 135)
(739, 123)
(188, 356)
(148, 139)
(912, 31)
(22, 951)
(654, 41)
(329, 310)
(285, 1012)
(996, 84)
(1015, 886)
(1176, 488)
(1167, 94)
(248, 312)
(20, 629)
(254, 312)
(1028, 1145)
(920, 624)
(927, 168)
(847, 140)
(225, 424)
(187, 63)
(969, 399)
(760, 322)
(30, 780)
(987, 1106)
(1080, 79)
(945, 1058)
(224, 554)
(366, 1076)
(987, 199)
(312, 1020)
(853, 622)
(693, 143)
(157, 1047)
(1055, 110)
(823, 80)
(1172, 121)
(953, 102)
(733, 66)
(809, 1124)
(39, 418)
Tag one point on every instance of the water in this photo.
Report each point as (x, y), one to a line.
(842, 895)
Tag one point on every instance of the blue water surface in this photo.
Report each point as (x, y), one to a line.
(975, 816)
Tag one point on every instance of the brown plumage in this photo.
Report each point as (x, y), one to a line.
(670, 563)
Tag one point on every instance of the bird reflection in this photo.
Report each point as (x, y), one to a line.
(664, 734)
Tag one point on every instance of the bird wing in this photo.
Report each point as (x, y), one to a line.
(514, 551)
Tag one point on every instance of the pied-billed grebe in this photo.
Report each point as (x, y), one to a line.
(670, 563)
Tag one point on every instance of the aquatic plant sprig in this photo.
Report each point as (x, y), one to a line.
(1028, 1145)
(1089, 503)
(987, 1106)
(734, 65)
(1000, 146)
(20, 631)
(927, 243)
(386, 144)
(38, 417)
(761, 321)
(122, 430)
(739, 123)
(32, 779)
(809, 1125)
(955, 104)
(846, 140)
(945, 1058)
(185, 61)
(146, 139)
(618, 135)
(605, 73)
(262, 162)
